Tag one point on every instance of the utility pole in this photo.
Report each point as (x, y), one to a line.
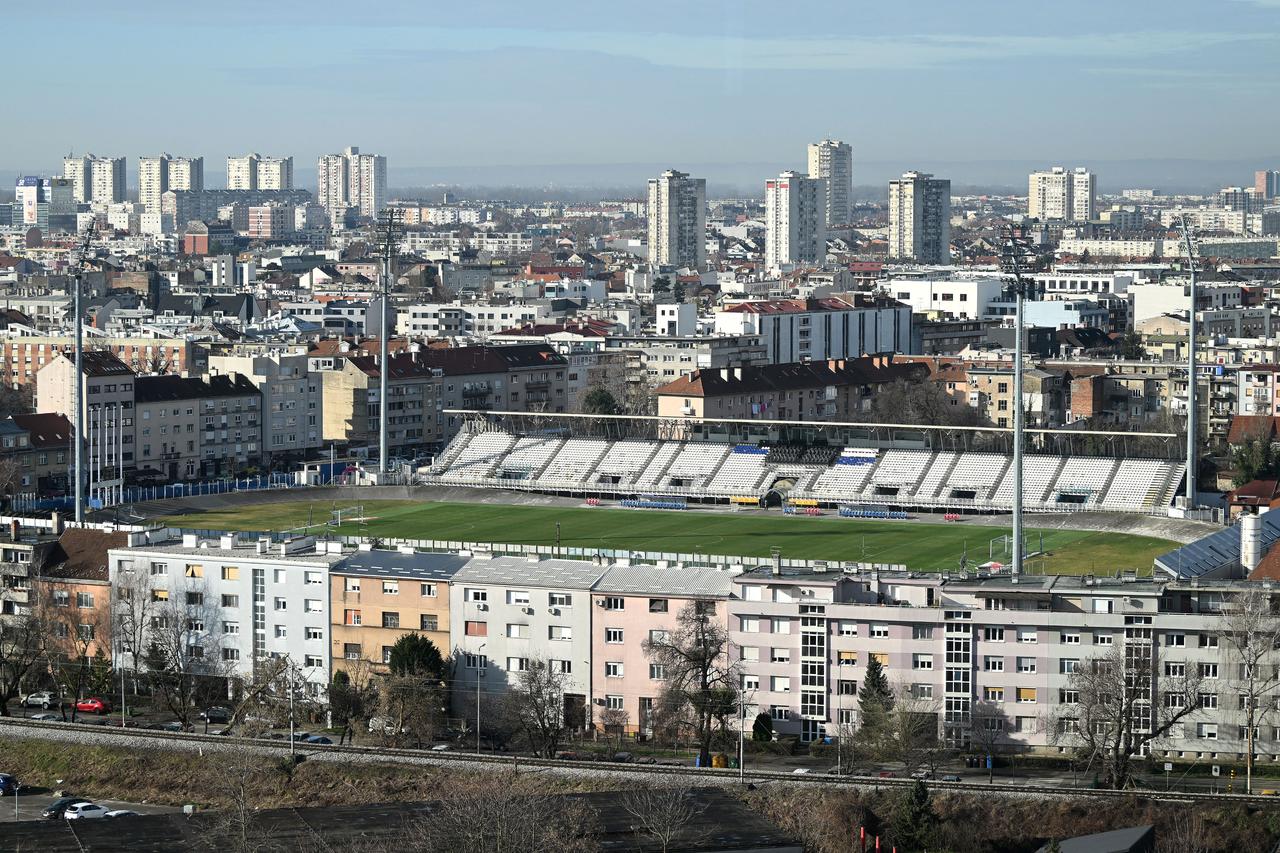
(1191, 367)
(390, 219)
(1015, 248)
(77, 282)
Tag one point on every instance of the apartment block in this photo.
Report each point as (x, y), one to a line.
(292, 399)
(507, 610)
(920, 219)
(846, 326)
(189, 428)
(677, 221)
(379, 596)
(795, 220)
(832, 161)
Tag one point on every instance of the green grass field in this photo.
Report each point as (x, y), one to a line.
(918, 545)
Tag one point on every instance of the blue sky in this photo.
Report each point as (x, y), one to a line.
(495, 83)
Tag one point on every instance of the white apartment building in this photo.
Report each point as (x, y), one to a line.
(242, 172)
(76, 170)
(677, 221)
(158, 175)
(255, 172)
(243, 601)
(953, 299)
(820, 329)
(1154, 300)
(920, 219)
(292, 399)
(1083, 284)
(103, 179)
(1232, 248)
(1084, 195)
(1059, 194)
(459, 319)
(506, 611)
(795, 226)
(352, 179)
(832, 160)
(440, 247)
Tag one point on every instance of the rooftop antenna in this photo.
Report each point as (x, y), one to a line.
(1189, 246)
(77, 398)
(389, 224)
(1015, 249)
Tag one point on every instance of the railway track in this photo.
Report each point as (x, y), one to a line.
(89, 733)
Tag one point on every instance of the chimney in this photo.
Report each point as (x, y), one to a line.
(1250, 541)
(56, 523)
(776, 554)
(15, 528)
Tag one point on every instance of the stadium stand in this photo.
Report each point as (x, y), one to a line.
(645, 471)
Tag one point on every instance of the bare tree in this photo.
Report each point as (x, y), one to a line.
(536, 702)
(988, 732)
(915, 731)
(1251, 633)
(502, 820)
(1120, 706)
(614, 722)
(353, 697)
(131, 609)
(410, 708)
(22, 643)
(238, 773)
(10, 478)
(667, 814)
(699, 680)
(1185, 833)
(182, 655)
(72, 637)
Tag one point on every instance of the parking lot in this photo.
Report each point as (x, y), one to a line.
(29, 806)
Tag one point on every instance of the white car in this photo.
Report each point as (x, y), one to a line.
(84, 811)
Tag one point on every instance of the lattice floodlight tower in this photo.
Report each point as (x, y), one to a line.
(389, 228)
(1015, 253)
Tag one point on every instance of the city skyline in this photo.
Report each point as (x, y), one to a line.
(929, 73)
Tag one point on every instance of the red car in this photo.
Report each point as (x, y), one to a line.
(93, 705)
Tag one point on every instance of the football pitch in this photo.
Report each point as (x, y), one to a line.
(918, 545)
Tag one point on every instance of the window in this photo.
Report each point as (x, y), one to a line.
(560, 632)
(281, 604)
(428, 590)
(1066, 666)
(351, 617)
(278, 576)
(613, 669)
(518, 597)
(614, 602)
(61, 598)
(564, 667)
(428, 622)
(1027, 635)
(613, 635)
(847, 658)
(1177, 640)
(477, 661)
(780, 625)
(1206, 700)
(1208, 670)
(657, 672)
(658, 635)
(315, 634)
(1026, 695)
(922, 632)
(229, 654)
(780, 684)
(1070, 639)
(351, 584)
(1102, 639)
(476, 629)
(194, 570)
(1102, 605)
(559, 599)
(780, 713)
(1208, 641)
(848, 629)
(993, 694)
(919, 661)
(879, 631)
(310, 661)
(517, 631)
(995, 635)
(159, 595)
(476, 596)
(313, 578)
(880, 657)
(1207, 731)
(159, 568)
(749, 682)
(846, 687)
(517, 664)
(613, 703)
(1026, 664)
(751, 654)
(657, 605)
(748, 624)
(230, 573)
(1175, 670)
(992, 663)
(84, 600)
(922, 691)
(312, 605)
(391, 587)
(390, 619)
(779, 655)
(195, 599)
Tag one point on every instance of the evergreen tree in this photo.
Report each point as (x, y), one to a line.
(762, 728)
(416, 655)
(875, 707)
(914, 823)
(875, 690)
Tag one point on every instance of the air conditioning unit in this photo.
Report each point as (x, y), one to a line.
(600, 602)
(482, 606)
(527, 610)
(554, 611)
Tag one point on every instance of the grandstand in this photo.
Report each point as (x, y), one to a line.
(689, 468)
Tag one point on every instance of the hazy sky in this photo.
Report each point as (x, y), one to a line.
(498, 83)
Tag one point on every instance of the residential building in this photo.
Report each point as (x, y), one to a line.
(105, 181)
(795, 330)
(26, 355)
(255, 172)
(233, 603)
(832, 161)
(1049, 194)
(920, 219)
(352, 407)
(242, 172)
(39, 445)
(469, 319)
(379, 596)
(832, 390)
(516, 378)
(1266, 183)
(1084, 195)
(677, 221)
(947, 298)
(508, 611)
(153, 181)
(271, 221)
(352, 180)
(1045, 396)
(634, 604)
(189, 428)
(77, 170)
(795, 230)
(292, 399)
(1246, 199)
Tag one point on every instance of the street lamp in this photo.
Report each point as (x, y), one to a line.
(479, 675)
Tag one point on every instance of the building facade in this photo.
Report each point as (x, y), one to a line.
(677, 221)
(832, 161)
(920, 219)
(795, 227)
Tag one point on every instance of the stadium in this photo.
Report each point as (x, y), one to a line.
(913, 497)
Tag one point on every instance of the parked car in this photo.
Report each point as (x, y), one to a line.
(949, 777)
(122, 813)
(922, 773)
(441, 747)
(54, 810)
(320, 739)
(216, 714)
(93, 705)
(41, 699)
(9, 784)
(45, 717)
(84, 811)
(173, 726)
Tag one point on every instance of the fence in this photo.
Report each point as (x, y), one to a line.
(29, 502)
